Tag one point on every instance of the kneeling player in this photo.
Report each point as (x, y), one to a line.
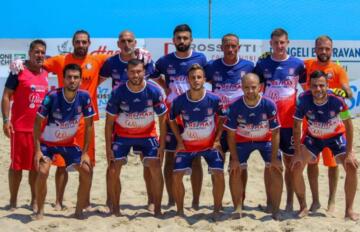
(132, 107)
(253, 125)
(328, 121)
(199, 111)
(63, 109)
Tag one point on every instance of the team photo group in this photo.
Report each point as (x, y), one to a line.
(174, 111)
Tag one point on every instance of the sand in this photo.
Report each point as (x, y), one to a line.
(138, 218)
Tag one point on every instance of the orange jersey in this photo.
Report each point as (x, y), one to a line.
(336, 74)
(90, 67)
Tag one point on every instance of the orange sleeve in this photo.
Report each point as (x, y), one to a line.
(52, 64)
(343, 77)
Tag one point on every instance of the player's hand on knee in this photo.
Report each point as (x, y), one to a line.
(234, 165)
(16, 66)
(277, 165)
(350, 159)
(180, 146)
(84, 160)
(160, 155)
(297, 160)
(217, 146)
(37, 159)
(109, 156)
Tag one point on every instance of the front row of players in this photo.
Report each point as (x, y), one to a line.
(251, 122)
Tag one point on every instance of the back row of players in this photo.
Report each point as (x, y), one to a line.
(194, 126)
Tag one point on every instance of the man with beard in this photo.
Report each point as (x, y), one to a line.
(171, 74)
(27, 89)
(130, 123)
(225, 75)
(116, 68)
(203, 117)
(63, 109)
(337, 78)
(329, 120)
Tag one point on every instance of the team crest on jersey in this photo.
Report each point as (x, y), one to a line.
(186, 117)
(240, 119)
(57, 115)
(310, 115)
(264, 116)
(210, 111)
(291, 71)
(88, 66)
(171, 70)
(217, 76)
(149, 102)
(320, 112)
(79, 109)
(183, 63)
(267, 74)
(332, 113)
(329, 75)
(124, 106)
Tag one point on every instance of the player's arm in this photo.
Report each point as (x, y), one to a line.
(109, 126)
(175, 129)
(234, 160)
(5, 110)
(37, 133)
(87, 137)
(297, 135)
(163, 128)
(275, 140)
(349, 130)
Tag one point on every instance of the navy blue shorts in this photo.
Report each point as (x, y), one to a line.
(171, 142)
(287, 141)
(147, 146)
(71, 154)
(223, 142)
(183, 160)
(245, 149)
(336, 144)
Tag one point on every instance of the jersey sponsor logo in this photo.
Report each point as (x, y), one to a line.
(210, 111)
(217, 76)
(171, 70)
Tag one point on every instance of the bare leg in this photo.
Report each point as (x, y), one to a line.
(313, 175)
(196, 181)
(267, 181)
(157, 184)
(333, 174)
(114, 180)
(32, 181)
(218, 190)
(244, 178)
(61, 179)
(236, 190)
(41, 188)
(276, 188)
(14, 183)
(179, 192)
(288, 183)
(85, 176)
(168, 176)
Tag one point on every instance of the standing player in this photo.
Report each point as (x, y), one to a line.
(253, 125)
(132, 106)
(116, 68)
(281, 74)
(201, 114)
(173, 67)
(225, 76)
(27, 89)
(337, 78)
(329, 120)
(63, 109)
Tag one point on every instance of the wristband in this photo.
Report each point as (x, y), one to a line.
(5, 120)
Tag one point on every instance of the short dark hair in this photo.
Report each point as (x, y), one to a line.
(72, 67)
(134, 62)
(279, 32)
(195, 67)
(317, 74)
(81, 32)
(229, 35)
(323, 37)
(181, 28)
(37, 42)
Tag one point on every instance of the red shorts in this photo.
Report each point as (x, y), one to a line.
(22, 151)
(59, 161)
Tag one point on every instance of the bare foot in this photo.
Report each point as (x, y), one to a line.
(59, 207)
(331, 208)
(37, 216)
(89, 208)
(266, 209)
(289, 208)
(237, 214)
(195, 206)
(159, 214)
(180, 214)
(151, 207)
(352, 215)
(276, 216)
(303, 212)
(315, 206)
(79, 215)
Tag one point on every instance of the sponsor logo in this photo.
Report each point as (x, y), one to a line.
(65, 47)
(7, 58)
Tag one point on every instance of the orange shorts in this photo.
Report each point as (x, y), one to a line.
(79, 140)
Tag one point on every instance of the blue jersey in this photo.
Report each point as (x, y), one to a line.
(252, 123)
(175, 71)
(281, 79)
(226, 79)
(198, 118)
(323, 120)
(63, 117)
(135, 110)
(116, 68)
